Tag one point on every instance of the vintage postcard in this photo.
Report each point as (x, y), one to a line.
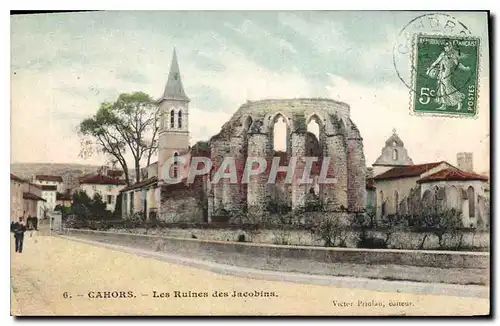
(260, 163)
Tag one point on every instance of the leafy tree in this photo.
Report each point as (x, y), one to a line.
(80, 205)
(431, 215)
(392, 223)
(330, 230)
(65, 210)
(129, 125)
(98, 208)
(361, 222)
(86, 208)
(442, 221)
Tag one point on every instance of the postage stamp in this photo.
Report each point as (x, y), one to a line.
(445, 75)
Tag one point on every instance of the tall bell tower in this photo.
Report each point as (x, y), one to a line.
(174, 118)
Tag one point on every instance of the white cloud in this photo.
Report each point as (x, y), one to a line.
(249, 29)
(327, 36)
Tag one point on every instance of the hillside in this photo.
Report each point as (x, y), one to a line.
(68, 171)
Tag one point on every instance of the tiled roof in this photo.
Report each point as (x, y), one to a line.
(15, 178)
(31, 196)
(35, 185)
(407, 171)
(53, 178)
(452, 174)
(100, 179)
(63, 196)
(141, 184)
(48, 187)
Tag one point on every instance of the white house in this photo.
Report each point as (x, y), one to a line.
(396, 177)
(49, 193)
(142, 197)
(49, 180)
(106, 186)
(464, 191)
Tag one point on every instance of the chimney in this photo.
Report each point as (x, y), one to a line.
(464, 161)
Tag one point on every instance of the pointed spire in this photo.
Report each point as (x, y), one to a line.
(174, 89)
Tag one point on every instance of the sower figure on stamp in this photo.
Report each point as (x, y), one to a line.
(19, 229)
(442, 69)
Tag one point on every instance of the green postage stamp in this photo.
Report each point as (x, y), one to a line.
(445, 75)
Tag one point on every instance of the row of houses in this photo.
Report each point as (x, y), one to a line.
(42, 193)
(30, 199)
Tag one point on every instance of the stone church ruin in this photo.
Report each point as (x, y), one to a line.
(250, 134)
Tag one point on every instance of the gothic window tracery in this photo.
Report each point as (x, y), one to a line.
(172, 119)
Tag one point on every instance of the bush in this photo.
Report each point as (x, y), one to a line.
(278, 207)
(330, 232)
(372, 243)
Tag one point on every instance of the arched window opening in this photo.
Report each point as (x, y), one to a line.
(172, 118)
(382, 204)
(436, 193)
(179, 120)
(280, 135)
(470, 199)
(175, 165)
(395, 154)
(313, 145)
(453, 197)
(313, 128)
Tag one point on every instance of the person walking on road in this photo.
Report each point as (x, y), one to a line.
(19, 229)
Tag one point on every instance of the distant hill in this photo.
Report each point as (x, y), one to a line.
(70, 172)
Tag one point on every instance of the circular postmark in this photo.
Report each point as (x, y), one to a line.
(403, 50)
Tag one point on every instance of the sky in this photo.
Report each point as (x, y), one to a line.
(64, 65)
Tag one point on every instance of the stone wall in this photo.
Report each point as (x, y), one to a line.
(397, 240)
(180, 203)
(237, 253)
